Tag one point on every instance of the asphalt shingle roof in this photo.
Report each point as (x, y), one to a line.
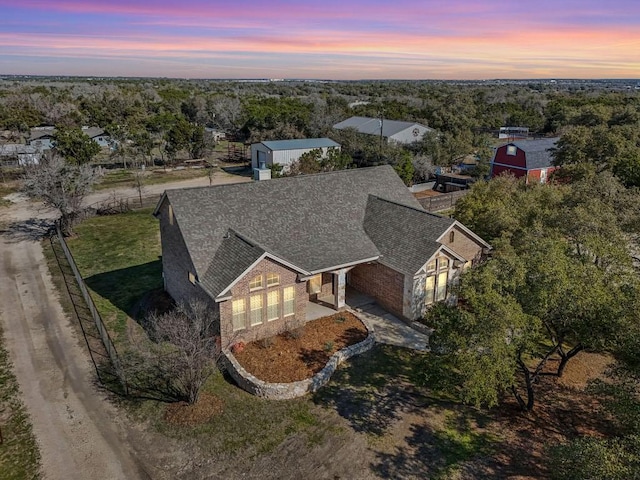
(300, 144)
(406, 236)
(538, 152)
(371, 126)
(314, 222)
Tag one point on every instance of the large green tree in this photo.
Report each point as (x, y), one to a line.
(74, 145)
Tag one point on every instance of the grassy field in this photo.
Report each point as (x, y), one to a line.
(119, 258)
(19, 455)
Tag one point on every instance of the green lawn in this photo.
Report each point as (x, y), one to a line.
(19, 454)
(119, 258)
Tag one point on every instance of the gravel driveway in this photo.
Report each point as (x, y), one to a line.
(80, 434)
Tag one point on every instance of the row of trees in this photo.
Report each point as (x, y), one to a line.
(167, 115)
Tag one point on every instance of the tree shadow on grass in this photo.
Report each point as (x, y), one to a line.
(373, 390)
(429, 452)
(125, 287)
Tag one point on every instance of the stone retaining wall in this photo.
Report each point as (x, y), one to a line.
(284, 391)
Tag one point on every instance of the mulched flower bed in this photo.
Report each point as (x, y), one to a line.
(294, 356)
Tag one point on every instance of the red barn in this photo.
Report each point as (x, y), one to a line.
(528, 158)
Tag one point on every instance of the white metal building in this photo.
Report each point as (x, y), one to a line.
(392, 130)
(285, 152)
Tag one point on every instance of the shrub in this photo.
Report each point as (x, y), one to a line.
(295, 333)
(328, 346)
(237, 348)
(266, 342)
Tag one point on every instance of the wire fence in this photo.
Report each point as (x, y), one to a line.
(101, 327)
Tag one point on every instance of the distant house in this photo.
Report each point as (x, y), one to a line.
(43, 137)
(531, 159)
(257, 253)
(215, 134)
(17, 154)
(392, 130)
(285, 152)
(98, 135)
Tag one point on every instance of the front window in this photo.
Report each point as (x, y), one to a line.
(289, 301)
(273, 303)
(255, 283)
(437, 278)
(315, 284)
(273, 279)
(238, 314)
(255, 304)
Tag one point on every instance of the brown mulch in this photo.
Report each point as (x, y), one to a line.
(181, 413)
(285, 358)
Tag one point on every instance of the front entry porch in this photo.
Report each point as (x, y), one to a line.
(324, 305)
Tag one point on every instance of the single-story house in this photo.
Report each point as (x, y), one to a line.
(18, 154)
(259, 252)
(392, 130)
(285, 152)
(43, 137)
(531, 159)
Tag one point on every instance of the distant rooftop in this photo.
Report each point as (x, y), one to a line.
(300, 144)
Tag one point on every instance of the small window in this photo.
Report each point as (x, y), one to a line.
(255, 304)
(256, 283)
(315, 284)
(443, 264)
(273, 303)
(288, 301)
(192, 278)
(170, 215)
(512, 149)
(431, 266)
(452, 236)
(238, 314)
(273, 279)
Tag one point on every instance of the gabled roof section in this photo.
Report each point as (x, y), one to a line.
(300, 144)
(406, 236)
(538, 152)
(234, 256)
(371, 126)
(312, 221)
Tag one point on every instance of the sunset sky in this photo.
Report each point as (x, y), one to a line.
(328, 39)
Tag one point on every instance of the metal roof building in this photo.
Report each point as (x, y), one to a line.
(393, 130)
(285, 152)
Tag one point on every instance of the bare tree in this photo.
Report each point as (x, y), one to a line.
(185, 350)
(139, 184)
(60, 185)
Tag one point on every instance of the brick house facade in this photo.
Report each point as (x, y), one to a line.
(276, 283)
(257, 253)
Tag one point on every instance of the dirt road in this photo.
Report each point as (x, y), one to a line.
(79, 432)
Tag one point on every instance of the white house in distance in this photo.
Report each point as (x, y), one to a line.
(42, 137)
(285, 152)
(392, 130)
